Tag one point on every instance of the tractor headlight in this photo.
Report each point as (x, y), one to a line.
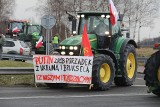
(82, 16)
(75, 48)
(106, 32)
(60, 47)
(74, 32)
(103, 16)
(63, 47)
(108, 16)
(71, 53)
(63, 53)
(71, 47)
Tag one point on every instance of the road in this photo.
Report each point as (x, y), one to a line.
(76, 96)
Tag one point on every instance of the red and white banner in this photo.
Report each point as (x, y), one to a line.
(63, 69)
(113, 13)
(15, 30)
(39, 43)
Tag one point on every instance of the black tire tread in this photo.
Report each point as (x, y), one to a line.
(124, 81)
(97, 84)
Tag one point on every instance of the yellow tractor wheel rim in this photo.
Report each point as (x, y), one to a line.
(105, 73)
(158, 73)
(130, 65)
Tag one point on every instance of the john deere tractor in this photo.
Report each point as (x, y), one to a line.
(152, 72)
(114, 55)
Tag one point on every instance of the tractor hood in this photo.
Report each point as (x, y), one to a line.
(76, 40)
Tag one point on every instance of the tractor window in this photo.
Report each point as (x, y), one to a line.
(32, 29)
(16, 24)
(96, 25)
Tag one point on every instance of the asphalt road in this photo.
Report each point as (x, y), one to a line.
(79, 96)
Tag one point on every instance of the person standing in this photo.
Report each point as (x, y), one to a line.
(1, 44)
(55, 41)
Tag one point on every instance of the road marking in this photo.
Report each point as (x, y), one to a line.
(139, 78)
(139, 85)
(79, 96)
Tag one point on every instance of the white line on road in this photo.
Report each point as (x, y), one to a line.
(79, 96)
(139, 86)
(139, 78)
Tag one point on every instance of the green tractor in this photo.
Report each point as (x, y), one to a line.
(152, 72)
(31, 35)
(114, 55)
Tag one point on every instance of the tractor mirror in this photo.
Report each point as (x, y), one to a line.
(74, 22)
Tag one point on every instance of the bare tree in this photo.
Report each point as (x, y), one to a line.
(6, 10)
(138, 13)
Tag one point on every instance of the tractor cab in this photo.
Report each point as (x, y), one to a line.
(98, 23)
(31, 31)
(12, 24)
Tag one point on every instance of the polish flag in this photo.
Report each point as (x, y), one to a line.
(39, 43)
(86, 43)
(113, 13)
(15, 30)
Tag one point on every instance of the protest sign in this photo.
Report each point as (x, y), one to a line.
(63, 69)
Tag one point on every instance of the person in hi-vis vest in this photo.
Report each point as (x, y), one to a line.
(55, 41)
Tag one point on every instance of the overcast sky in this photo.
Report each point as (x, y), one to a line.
(24, 9)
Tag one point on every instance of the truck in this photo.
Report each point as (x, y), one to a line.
(152, 71)
(114, 56)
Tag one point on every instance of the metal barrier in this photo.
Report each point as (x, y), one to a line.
(16, 71)
(16, 57)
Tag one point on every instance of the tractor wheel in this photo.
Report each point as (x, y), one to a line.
(103, 72)
(128, 67)
(152, 73)
(56, 85)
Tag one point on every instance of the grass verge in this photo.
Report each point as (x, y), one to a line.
(8, 80)
(9, 63)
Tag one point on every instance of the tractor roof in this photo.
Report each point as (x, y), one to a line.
(93, 13)
(23, 21)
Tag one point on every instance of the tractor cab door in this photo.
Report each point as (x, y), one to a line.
(102, 32)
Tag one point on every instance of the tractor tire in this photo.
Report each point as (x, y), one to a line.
(152, 73)
(103, 72)
(56, 85)
(128, 67)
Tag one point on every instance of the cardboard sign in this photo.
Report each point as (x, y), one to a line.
(63, 69)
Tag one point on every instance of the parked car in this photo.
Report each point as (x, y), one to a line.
(12, 46)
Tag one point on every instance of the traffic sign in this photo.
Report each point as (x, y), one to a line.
(48, 21)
